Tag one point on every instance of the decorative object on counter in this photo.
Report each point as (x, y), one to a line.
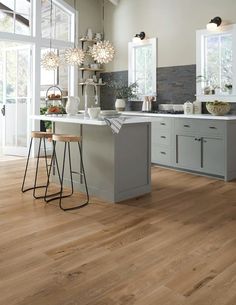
(188, 108)
(94, 112)
(55, 110)
(229, 88)
(214, 24)
(218, 107)
(147, 103)
(103, 52)
(115, 124)
(123, 92)
(54, 95)
(197, 107)
(72, 105)
(50, 60)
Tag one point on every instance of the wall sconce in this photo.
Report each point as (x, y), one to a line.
(214, 23)
(140, 36)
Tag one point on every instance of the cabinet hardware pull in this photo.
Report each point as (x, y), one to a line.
(163, 137)
(186, 126)
(163, 153)
(163, 123)
(212, 127)
(199, 139)
(195, 139)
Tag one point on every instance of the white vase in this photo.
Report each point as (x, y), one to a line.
(120, 104)
(72, 105)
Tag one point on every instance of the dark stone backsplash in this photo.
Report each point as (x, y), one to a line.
(175, 85)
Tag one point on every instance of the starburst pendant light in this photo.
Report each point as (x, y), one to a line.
(50, 60)
(74, 56)
(103, 52)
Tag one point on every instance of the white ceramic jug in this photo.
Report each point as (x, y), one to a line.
(72, 105)
(188, 108)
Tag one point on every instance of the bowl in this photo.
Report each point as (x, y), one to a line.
(218, 107)
(94, 112)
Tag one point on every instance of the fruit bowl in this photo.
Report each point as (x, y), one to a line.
(218, 107)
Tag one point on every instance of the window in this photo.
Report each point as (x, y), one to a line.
(61, 22)
(15, 16)
(215, 63)
(142, 66)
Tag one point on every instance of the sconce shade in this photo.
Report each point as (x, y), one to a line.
(214, 23)
(103, 52)
(74, 56)
(50, 61)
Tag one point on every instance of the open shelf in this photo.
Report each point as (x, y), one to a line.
(90, 69)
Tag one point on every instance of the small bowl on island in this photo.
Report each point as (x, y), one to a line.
(218, 107)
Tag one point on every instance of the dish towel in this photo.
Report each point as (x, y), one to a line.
(115, 124)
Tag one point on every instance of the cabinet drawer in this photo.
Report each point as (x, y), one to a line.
(160, 154)
(161, 137)
(161, 123)
(200, 127)
(187, 125)
(212, 127)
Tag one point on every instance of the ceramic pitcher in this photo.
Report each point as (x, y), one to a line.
(72, 105)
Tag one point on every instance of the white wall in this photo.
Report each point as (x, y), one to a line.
(174, 22)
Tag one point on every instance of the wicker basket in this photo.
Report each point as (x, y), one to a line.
(218, 108)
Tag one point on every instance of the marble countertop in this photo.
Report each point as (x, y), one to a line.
(79, 119)
(192, 116)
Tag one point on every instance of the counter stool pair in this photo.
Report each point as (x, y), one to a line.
(67, 139)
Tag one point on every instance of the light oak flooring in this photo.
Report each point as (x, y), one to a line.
(176, 246)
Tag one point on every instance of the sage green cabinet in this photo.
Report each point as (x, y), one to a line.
(213, 156)
(188, 152)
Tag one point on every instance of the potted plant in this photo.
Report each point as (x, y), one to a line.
(45, 125)
(229, 88)
(123, 92)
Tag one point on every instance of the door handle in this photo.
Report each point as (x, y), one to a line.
(3, 110)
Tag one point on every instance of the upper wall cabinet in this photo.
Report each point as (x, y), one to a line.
(216, 64)
(142, 66)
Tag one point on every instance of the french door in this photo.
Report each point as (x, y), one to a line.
(16, 97)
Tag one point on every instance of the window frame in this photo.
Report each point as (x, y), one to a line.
(200, 59)
(132, 46)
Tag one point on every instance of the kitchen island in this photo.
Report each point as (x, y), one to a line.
(118, 166)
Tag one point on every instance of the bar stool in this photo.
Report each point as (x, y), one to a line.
(67, 139)
(41, 135)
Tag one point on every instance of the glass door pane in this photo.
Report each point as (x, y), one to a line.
(16, 60)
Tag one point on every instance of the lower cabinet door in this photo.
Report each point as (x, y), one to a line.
(213, 156)
(188, 152)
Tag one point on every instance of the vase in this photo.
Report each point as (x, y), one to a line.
(72, 105)
(120, 104)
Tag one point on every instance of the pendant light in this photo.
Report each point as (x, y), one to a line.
(50, 60)
(103, 52)
(74, 56)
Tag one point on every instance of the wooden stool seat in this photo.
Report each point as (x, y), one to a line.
(41, 134)
(66, 138)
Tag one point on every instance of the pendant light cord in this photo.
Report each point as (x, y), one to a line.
(103, 18)
(51, 26)
(75, 32)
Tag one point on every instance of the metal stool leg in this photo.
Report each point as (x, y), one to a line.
(54, 157)
(36, 171)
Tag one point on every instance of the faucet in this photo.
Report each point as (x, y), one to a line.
(86, 97)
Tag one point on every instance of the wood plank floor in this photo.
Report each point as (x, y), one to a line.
(176, 246)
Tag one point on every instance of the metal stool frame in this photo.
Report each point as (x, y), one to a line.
(36, 170)
(61, 177)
